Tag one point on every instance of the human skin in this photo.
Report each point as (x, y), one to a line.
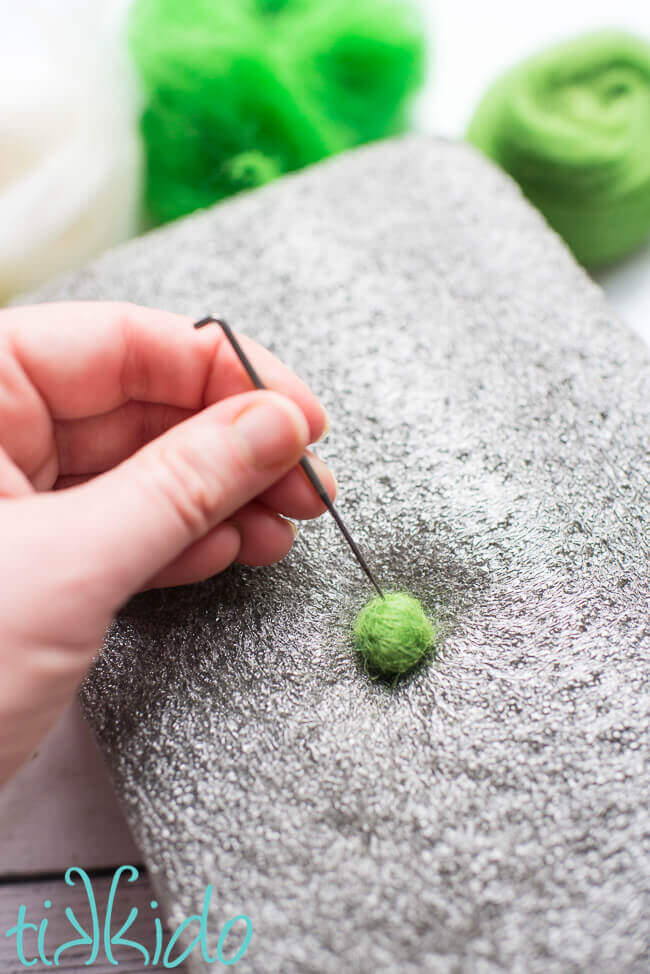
(132, 455)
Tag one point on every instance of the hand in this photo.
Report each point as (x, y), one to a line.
(131, 456)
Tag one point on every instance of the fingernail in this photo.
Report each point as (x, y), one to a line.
(326, 428)
(294, 527)
(273, 430)
(336, 485)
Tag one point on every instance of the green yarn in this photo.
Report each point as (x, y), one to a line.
(238, 91)
(393, 633)
(572, 126)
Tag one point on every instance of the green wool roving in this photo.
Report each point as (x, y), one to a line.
(572, 126)
(239, 91)
(393, 633)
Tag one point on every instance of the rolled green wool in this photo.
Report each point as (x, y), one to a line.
(393, 633)
(572, 126)
(237, 92)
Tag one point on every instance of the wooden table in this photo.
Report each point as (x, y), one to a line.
(60, 811)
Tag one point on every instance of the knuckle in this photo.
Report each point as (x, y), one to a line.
(193, 490)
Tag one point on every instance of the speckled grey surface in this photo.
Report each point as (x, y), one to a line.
(490, 433)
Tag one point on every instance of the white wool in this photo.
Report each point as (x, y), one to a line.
(70, 155)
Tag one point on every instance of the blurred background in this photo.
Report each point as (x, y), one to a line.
(119, 115)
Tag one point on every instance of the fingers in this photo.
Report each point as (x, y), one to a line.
(13, 482)
(255, 535)
(293, 496)
(94, 444)
(179, 487)
(208, 556)
(91, 446)
(252, 536)
(85, 359)
(265, 537)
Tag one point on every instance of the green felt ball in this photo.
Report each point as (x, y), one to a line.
(572, 126)
(393, 633)
(237, 92)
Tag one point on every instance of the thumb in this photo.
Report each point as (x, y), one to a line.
(69, 559)
(140, 516)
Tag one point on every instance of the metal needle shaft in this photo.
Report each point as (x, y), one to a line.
(311, 474)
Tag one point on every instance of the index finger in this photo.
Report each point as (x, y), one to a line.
(88, 358)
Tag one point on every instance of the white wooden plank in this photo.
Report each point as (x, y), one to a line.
(60, 809)
(34, 893)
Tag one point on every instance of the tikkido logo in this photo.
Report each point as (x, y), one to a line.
(99, 935)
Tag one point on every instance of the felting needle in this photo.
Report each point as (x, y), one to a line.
(312, 476)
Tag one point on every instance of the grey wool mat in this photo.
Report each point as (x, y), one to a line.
(490, 430)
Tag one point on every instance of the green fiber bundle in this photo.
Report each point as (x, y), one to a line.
(572, 126)
(238, 91)
(393, 633)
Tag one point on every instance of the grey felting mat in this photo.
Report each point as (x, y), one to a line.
(490, 433)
